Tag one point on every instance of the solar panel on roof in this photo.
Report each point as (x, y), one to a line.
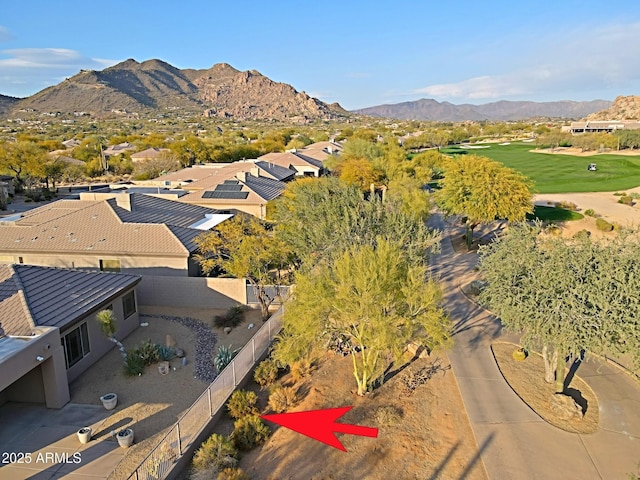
(231, 182)
(228, 187)
(225, 194)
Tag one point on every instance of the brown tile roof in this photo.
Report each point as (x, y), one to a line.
(33, 296)
(96, 227)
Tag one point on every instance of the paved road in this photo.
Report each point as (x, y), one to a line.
(514, 442)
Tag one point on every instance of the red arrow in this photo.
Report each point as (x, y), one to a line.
(321, 425)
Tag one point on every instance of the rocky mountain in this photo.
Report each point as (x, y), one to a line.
(7, 103)
(152, 85)
(429, 109)
(623, 108)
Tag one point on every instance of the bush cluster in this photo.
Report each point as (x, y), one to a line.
(603, 225)
(590, 212)
(218, 452)
(300, 369)
(626, 200)
(282, 399)
(145, 354)
(242, 404)
(266, 373)
(567, 205)
(249, 432)
(232, 318)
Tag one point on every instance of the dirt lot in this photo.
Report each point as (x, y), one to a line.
(431, 438)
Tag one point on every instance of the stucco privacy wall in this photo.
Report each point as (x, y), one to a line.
(198, 292)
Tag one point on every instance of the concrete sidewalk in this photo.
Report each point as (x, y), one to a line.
(37, 443)
(514, 442)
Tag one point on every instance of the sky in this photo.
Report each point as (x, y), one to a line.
(356, 53)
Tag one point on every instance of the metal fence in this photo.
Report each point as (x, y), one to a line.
(175, 443)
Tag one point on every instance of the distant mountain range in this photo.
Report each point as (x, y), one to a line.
(221, 91)
(429, 109)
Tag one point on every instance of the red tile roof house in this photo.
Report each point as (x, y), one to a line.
(48, 331)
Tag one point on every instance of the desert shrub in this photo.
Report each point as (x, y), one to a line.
(388, 415)
(223, 357)
(300, 369)
(232, 318)
(635, 195)
(590, 212)
(626, 200)
(249, 432)
(242, 403)
(165, 353)
(582, 234)
(282, 399)
(619, 194)
(217, 451)
(266, 373)
(232, 474)
(147, 352)
(603, 225)
(553, 229)
(566, 205)
(133, 364)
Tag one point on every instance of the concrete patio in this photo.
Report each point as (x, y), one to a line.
(37, 443)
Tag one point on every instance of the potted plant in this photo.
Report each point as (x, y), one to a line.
(84, 435)
(125, 437)
(109, 401)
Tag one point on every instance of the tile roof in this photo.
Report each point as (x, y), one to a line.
(32, 296)
(291, 159)
(266, 188)
(276, 171)
(104, 227)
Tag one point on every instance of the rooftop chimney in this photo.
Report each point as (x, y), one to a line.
(242, 176)
(125, 200)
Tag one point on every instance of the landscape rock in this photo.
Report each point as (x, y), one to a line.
(179, 352)
(169, 341)
(227, 330)
(565, 407)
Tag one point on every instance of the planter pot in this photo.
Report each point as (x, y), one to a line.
(109, 401)
(84, 435)
(125, 438)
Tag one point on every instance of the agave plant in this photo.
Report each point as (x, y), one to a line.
(223, 357)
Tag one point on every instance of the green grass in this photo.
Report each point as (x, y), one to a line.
(554, 214)
(563, 173)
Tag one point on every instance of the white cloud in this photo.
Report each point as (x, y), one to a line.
(5, 34)
(603, 59)
(25, 71)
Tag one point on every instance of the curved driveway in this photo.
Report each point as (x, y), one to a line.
(514, 442)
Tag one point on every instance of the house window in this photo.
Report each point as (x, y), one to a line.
(76, 345)
(129, 304)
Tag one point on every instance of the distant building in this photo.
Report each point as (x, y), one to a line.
(150, 154)
(594, 126)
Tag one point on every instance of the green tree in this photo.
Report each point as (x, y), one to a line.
(244, 248)
(319, 218)
(566, 296)
(22, 159)
(373, 297)
(359, 172)
(154, 167)
(191, 150)
(483, 190)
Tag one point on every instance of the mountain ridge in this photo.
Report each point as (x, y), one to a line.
(132, 86)
(502, 110)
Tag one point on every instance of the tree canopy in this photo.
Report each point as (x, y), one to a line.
(565, 296)
(483, 190)
(374, 299)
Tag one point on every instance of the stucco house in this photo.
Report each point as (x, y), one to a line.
(150, 154)
(127, 232)
(297, 161)
(48, 331)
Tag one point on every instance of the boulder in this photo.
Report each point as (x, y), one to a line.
(565, 407)
(179, 352)
(227, 330)
(169, 341)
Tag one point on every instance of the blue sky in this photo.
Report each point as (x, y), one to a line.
(356, 53)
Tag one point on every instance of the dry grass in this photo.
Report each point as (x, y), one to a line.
(526, 378)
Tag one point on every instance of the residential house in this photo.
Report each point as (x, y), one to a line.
(150, 154)
(322, 150)
(246, 186)
(128, 232)
(118, 149)
(593, 126)
(301, 164)
(48, 331)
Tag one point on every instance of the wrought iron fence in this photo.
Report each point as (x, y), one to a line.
(158, 464)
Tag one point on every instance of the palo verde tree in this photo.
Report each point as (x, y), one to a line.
(566, 296)
(320, 218)
(374, 297)
(244, 247)
(483, 190)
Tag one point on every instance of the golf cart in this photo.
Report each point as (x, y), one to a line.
(592, 167)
